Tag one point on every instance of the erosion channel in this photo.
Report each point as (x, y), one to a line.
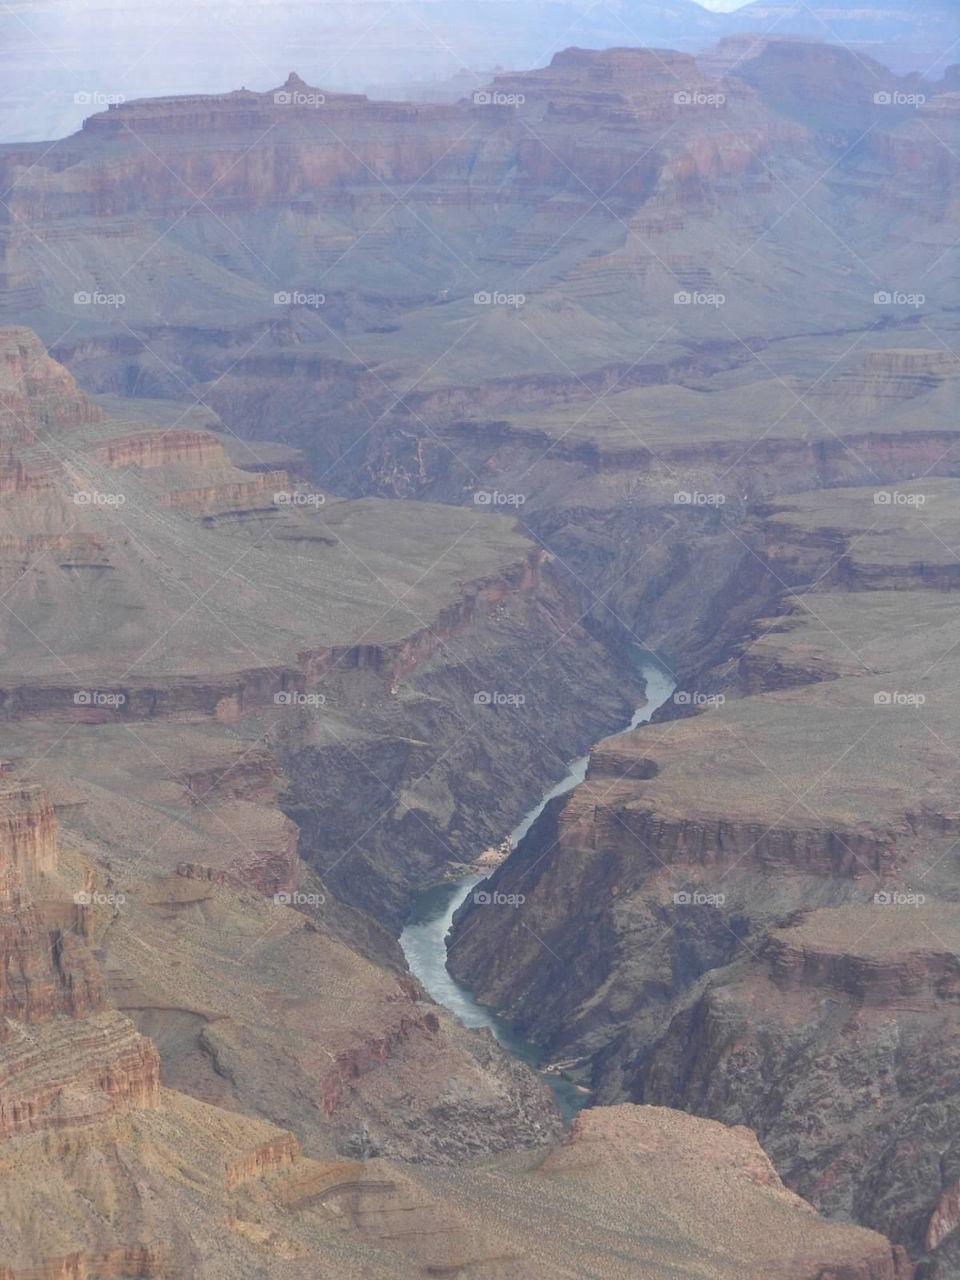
(424, 938)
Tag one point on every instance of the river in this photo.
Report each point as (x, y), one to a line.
(424, 937)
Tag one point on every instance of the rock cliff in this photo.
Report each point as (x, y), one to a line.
(760, 887)
(210, 717)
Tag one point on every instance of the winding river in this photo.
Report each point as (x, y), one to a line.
(424, 937)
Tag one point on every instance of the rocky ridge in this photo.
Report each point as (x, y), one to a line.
(766, 937)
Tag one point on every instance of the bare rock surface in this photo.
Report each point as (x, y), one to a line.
(748, 909)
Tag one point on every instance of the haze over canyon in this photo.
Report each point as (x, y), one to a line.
(479, 661)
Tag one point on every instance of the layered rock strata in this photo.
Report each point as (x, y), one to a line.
(667, 901)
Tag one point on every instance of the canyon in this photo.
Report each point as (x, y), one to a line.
(348, 452)
(213, 1062)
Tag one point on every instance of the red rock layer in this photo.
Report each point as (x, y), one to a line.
(67, 1073)
(36, 393)
(28, 840)
(64, 1059)
(160, 448)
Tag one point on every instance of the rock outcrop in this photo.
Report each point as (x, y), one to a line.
(66, 1059)
(102, 1172)
(215, 785)
(727, 918)
(703, 1199)
(852, 1014)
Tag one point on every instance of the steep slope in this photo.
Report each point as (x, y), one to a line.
(148, 579)
(179, 707)
(702, 1201)
(665, 941)
(853, 1013)
(103, 1172)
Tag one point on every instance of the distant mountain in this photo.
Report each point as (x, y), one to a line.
(59, 57)
(906, 35)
